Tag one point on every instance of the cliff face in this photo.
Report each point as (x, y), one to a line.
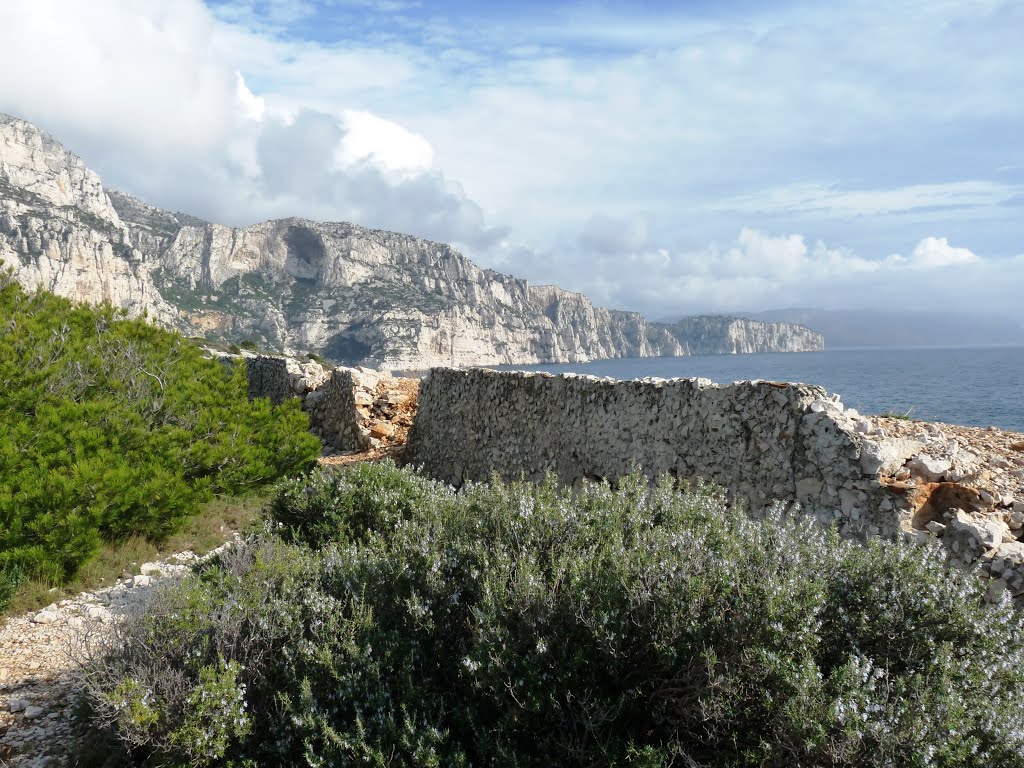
(354, 295)
(715, 334)
(59, 231)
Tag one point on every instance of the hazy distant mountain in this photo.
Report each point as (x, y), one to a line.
(881, 328)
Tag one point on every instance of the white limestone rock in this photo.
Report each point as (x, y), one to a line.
(887, 455)
(1012, 552)
(986, 533)
(17, 705)
(48, 615)
(929, 468)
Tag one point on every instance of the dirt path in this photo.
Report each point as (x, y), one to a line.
(39, 654)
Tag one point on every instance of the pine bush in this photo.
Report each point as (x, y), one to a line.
(113, 427)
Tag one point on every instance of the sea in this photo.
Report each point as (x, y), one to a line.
(971, 386)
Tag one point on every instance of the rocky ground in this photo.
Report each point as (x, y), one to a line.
(987, 458)
(386, 406)
(966, 488)
(38, 660)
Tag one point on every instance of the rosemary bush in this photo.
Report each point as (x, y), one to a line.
(522, 625)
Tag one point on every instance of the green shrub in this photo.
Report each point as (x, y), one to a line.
(347, 506)
(113, 427)
(10, 579)
(530, 625)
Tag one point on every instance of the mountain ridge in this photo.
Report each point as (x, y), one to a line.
(351, 294)
(902, 328)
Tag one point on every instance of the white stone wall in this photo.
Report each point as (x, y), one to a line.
(762, 441)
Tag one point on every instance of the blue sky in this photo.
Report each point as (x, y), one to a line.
(666, 157)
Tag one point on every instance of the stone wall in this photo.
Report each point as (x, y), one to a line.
(268, 377)
(762, 441)
(328, 396)
(332, 412)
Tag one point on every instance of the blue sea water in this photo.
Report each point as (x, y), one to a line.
(973, 386)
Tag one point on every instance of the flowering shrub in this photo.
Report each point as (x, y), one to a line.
(363, 500)
(523, 625)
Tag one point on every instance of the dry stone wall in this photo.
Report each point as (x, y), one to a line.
(332, 412)
(328, 396)
(268, 377)
(763, 441)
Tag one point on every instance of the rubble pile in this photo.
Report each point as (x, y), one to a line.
(385, 408)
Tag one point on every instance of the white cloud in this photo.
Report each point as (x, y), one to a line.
(252, 107)
(372, 138)
(759, 270)
(140, 73)
(861, 136)
(936, 252)
(166, 113)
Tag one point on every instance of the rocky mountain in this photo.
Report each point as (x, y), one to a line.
(351, 294)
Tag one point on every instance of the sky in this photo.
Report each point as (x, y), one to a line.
(667, 157)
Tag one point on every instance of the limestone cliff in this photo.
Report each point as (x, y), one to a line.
(59, 231)
(352, 294)
(718, 334)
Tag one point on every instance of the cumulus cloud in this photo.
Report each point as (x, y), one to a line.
(300, 172)
(389, 145)
(141, 73)
(251, 106)
(161, 111)
(440, 129)
(758, 270)
(936, 252)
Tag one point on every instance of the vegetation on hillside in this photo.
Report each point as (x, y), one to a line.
(382, 619)
(114, 428)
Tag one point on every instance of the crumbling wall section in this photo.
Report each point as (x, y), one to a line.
(328, 396)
